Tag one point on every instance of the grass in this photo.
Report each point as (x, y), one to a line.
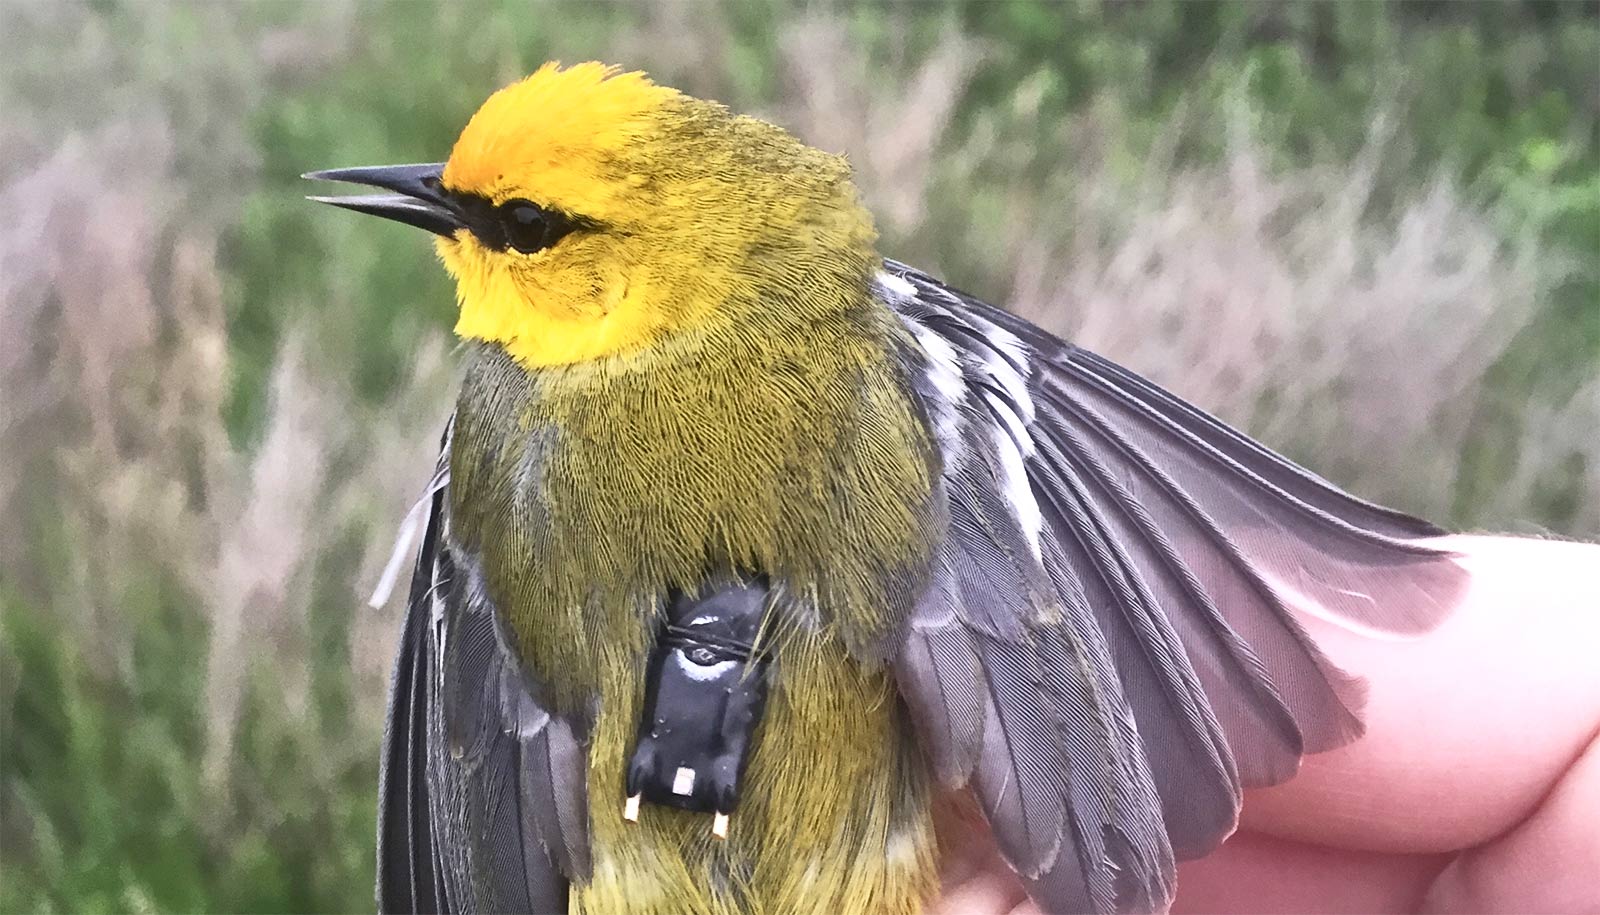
(1367, 234)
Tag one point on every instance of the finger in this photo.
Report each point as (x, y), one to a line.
(993, 891)
(1551, 863)
(974, 879)
(1255, 873)
(1469, 726)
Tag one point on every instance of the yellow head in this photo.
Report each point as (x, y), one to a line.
(587, 213)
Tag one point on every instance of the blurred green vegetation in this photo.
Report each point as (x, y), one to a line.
(114, 795)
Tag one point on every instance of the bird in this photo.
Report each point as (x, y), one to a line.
(746, 546)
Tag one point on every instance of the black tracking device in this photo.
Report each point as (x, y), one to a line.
(705, 689)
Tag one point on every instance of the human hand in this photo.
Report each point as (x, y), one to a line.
(1475, 789)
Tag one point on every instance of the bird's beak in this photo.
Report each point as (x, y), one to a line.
(420, 201)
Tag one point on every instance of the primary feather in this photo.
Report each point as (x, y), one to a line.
(1173, 546)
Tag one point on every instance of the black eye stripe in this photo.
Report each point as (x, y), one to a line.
(517, 224)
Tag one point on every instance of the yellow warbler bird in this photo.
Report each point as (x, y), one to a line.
(744, 540)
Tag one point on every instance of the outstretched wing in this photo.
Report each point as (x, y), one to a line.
(481, 790)
(1106, 652)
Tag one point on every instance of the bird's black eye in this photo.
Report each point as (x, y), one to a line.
(516, 224)
(529, 227)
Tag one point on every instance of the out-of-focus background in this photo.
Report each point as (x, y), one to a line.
(1369, 234)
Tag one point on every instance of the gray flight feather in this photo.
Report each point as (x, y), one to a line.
(1109, 720)
(482, 800)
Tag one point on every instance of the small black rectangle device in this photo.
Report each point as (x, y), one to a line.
(705, 690)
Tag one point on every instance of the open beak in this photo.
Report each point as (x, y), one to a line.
(420, 199)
